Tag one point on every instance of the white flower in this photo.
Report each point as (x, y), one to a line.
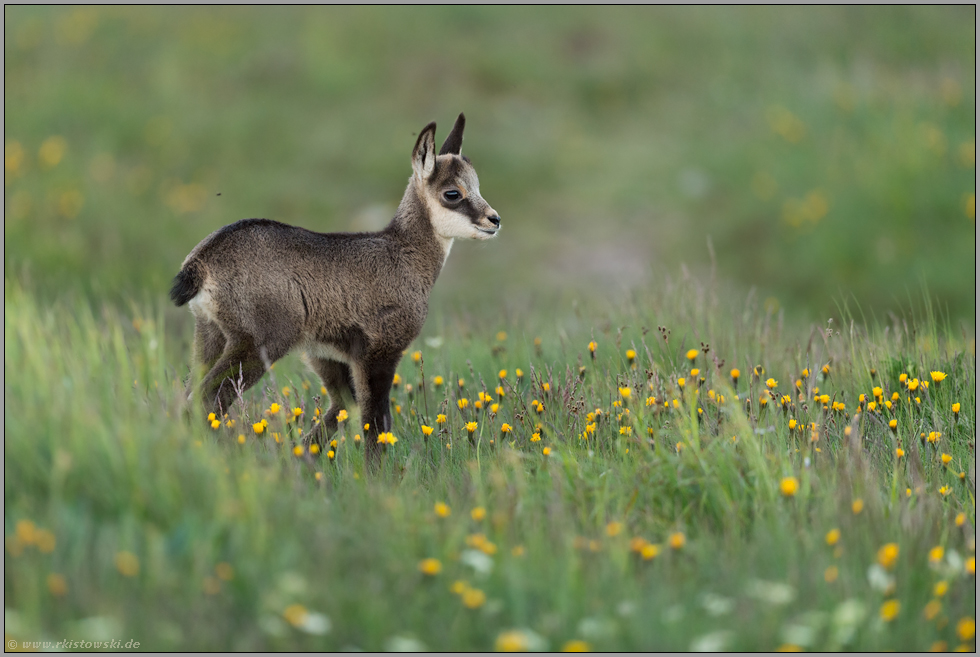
(879, 579)
(717, 605)
(315, 623)
(404, 644)
(774, 593)
(713, 642)
(478, 561)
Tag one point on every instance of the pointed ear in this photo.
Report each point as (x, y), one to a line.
(454, 142)
(424, 155)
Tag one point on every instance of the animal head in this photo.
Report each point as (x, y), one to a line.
(446, 182)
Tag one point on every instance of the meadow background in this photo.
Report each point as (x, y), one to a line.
(785, 188)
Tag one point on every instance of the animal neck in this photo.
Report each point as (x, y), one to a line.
(412, 227)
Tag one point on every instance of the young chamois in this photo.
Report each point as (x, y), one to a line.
(351, 301)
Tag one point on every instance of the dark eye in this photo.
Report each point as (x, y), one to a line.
(452, 195)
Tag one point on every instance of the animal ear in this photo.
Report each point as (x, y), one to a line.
(424, 155)
(454, 142)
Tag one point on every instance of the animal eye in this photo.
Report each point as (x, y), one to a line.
(452, 195)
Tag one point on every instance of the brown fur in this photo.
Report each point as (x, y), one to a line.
(352, 301)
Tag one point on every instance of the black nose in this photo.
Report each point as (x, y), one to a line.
(495, 220)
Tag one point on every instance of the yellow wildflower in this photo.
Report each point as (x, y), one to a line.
(426, 430)
(471, 426)
(478, 513)
(430, 566)
(677, 540)
(937, 377)
(692, 354)
(890, 609)
(127, 564)
(857, 506)
(789, 486)
(546, 451)
(966, 628)
(473, 598)
(735, 374)
(833, 536)
(506, 428)
(888, 555)
(576, 646)
(771, 383)
(258, 427)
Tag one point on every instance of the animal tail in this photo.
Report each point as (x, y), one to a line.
(187, 283)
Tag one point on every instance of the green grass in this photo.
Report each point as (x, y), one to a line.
(103, 456)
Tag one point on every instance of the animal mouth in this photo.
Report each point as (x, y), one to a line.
(492, 231)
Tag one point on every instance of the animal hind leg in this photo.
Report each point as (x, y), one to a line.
(238, 369)
(209, 344)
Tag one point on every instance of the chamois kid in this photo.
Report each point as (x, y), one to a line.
(353, 302)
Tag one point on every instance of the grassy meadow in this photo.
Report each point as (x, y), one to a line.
(712, 388)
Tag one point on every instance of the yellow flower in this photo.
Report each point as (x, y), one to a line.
(903, 377)
(857, 506)
(899, 452)
(501, 336)
(946, 458)
(473, 598)
(438, 380)
(677, 540)
(960, 519)
(241, 439)
(127, 564)
(792, 425)
(940, 589)
(625, 392)
(913, 385)
(789, 647)
(506, 428)
(546, 386)
(890, 609)
(440, 419)
(471, 426)
(463, 403)
(478, 513)
(945, 490)
(258, 427)
(692, 354)
(215, 424)
(297, 411)
(936, 554)
(789, 486)
(535, 437)
(825, 369)
(57, 585)
(546, 451)
(519, 373)
(833, 536)
(342, 415)
(298, 450)
(680, 382)
(494, 408)
(614, 528)
(966, 628)
(630, 355)
(512, 641)
(735, 374)
(430, 566)
(937, 377)
(893, 425)
(330, 455)
(971, 565)
(426, 430)
(387, 438)
(576, 646)
(888, 555)
(649, 551)
(442, 509)
(932, 609)
(771, 383)
(274, 408)
(592, 347)
(956, 408)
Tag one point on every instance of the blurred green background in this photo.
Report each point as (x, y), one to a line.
(825, 152)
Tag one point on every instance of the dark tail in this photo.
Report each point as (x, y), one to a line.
(187, 283)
